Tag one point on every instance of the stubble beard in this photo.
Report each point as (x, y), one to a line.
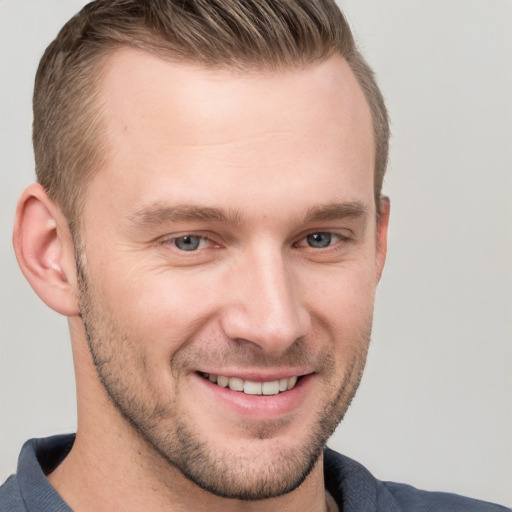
(173, 439)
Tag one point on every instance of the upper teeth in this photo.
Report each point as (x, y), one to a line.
(253, 388)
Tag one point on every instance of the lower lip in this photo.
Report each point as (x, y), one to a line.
(258, 407)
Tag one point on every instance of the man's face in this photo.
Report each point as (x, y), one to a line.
(231, 243)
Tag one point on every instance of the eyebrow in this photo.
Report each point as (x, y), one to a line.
(159, 214)
(335, 211)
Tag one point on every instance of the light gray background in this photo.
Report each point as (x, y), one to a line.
(434, 408)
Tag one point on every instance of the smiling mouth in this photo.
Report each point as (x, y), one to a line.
(248, 387)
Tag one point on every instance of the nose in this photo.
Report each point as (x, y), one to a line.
(265, 306)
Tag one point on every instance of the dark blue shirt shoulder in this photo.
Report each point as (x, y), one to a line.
(29, 490)
(10, 496)
(352, 486)
(355, 489)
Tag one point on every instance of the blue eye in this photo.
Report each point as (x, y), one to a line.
(319, 240)
(188, 242)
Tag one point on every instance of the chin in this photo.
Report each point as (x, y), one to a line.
(263, 470)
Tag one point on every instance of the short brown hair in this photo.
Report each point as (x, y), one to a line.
(69, 142)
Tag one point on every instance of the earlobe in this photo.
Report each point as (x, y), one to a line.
(44, 250)
(382, 234)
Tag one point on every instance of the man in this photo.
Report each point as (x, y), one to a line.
(209, 216)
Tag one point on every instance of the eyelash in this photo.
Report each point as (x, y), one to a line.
(200, 238)
(335, 238)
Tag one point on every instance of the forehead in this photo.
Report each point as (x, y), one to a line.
(174, 128)
(141, 87)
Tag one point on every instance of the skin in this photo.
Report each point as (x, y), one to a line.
(251, 166)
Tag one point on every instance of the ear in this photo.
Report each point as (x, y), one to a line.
(382, 234)
(44, 250)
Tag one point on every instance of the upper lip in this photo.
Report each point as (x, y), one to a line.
(266, 375)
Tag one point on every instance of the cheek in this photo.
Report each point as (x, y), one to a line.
(342, 295)
(342, 311)
(165, 308)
